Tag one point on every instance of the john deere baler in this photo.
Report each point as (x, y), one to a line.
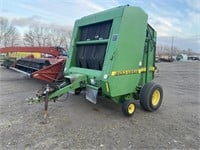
(113, 53)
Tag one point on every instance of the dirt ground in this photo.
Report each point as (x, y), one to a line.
(75, 123)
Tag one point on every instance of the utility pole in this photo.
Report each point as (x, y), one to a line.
(172, 47)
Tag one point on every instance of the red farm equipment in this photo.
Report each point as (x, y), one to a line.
(48, 68)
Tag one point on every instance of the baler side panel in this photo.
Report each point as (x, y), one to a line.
(149, 56)
(129, 52)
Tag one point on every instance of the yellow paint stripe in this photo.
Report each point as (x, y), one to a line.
(135, 71)
(152, 68)
(141, 70)
(107, 87)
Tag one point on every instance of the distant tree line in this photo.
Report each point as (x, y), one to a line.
(36, 35)
(172, 51)
(48, 35)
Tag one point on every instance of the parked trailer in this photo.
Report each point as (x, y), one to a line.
(112, 53)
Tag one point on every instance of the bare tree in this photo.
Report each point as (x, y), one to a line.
(8, 33)
(45, 35)
(29, 39)
(37, 36)
(60, 37)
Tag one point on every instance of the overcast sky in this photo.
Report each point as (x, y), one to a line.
(171, 18)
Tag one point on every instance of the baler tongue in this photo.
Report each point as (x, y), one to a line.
(52, 92)
(73, 81)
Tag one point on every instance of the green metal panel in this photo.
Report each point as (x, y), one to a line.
(149, 55)
(101, 16)
(129, 51)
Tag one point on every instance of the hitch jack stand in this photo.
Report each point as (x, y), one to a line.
(46, 103)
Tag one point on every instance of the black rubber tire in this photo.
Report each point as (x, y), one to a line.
(146, 96)
(125, 107)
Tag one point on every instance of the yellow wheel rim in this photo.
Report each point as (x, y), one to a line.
(155, 97)
(131, 108)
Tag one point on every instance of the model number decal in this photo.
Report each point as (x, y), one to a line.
(135, 71)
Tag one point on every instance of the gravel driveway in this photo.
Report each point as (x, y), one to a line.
(75, 123)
